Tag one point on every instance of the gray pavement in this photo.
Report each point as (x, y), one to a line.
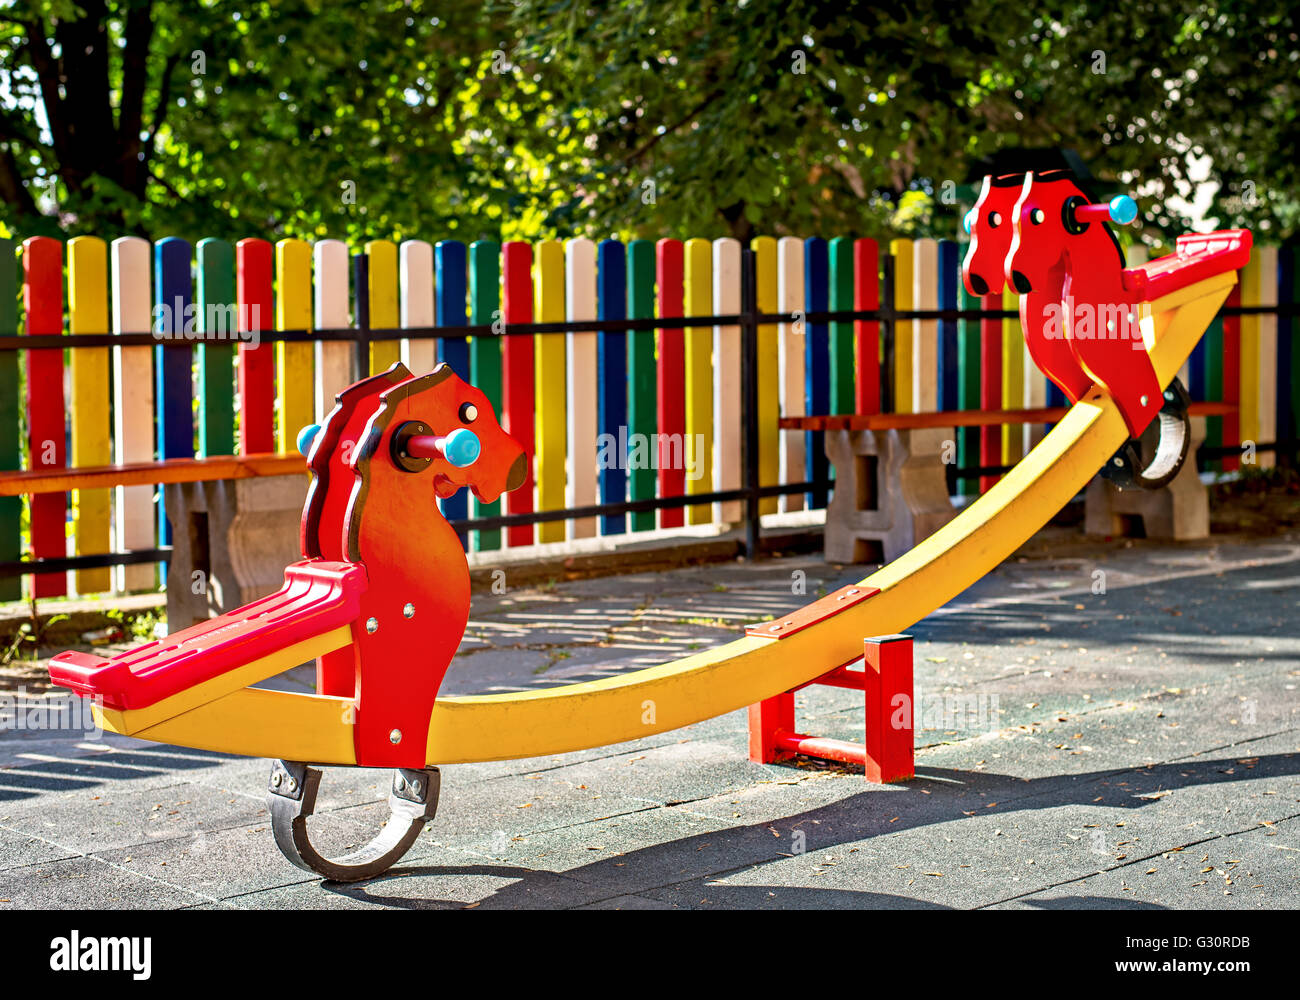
(1108, 725)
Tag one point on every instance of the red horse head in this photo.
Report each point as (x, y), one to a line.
(1048, 237)
(1060, 231)
(392, 446)
(990, 228)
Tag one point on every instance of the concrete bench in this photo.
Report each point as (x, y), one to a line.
(891, 485)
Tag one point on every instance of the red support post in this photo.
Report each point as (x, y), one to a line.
(890, 712)
(886, 683)
(767, 720)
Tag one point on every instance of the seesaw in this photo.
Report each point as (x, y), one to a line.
(381, 597)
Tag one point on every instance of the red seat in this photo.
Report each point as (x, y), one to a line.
(1195, 258)
(317, 597)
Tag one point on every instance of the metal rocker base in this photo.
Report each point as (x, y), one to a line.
(291, 799)
(1128, 469)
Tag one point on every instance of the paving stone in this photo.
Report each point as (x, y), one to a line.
(86, 883)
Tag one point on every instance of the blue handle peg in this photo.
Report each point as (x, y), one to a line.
(461, 447)
(306, 436)
(1123, 209)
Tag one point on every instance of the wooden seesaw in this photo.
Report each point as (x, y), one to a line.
(382, 606)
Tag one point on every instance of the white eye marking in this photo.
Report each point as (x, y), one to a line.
(468, 413)
(995, 220)
(1037, 216)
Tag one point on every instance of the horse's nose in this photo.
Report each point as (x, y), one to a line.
(1021, 282)
(977, 284)
(518, 471)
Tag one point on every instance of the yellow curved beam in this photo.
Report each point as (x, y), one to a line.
(658, 699)
(266, 723)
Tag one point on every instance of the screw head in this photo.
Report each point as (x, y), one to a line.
(1143, 400)
(417, 786)
(372, 625)
(293, 784)
(408, 610)
(277, 779)
(1119, 462)
(395, 736)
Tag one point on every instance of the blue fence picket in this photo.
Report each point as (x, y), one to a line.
(173, 291)
(817, 362)
(949, 368)
(450, 304)
(611, 367)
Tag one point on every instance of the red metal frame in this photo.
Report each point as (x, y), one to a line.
(887, 754)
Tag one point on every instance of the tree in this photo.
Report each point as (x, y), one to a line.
(565, 117)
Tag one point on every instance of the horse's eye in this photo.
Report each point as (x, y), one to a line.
(468, 413)
(995, 220)
(1037, 217)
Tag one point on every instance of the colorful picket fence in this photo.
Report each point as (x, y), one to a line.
(609, 415)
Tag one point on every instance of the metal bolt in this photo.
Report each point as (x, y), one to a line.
(395, 737)
(417, 786)
(408, 610)
(1119, 462)
(1143, 400)
(293, 784)
(276, 779)
(372, 625)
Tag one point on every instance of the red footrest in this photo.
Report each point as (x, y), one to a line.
(886, 684)
(317, 596)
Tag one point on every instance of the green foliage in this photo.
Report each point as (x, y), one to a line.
(232, 118)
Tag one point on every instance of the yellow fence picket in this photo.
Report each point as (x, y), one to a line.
(383, 303)
(549, 382)
(295, 377)
(698, 450)
(1013, 378)
(766, 287)
(904, 282)
(1266, 373)
(91, 439)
